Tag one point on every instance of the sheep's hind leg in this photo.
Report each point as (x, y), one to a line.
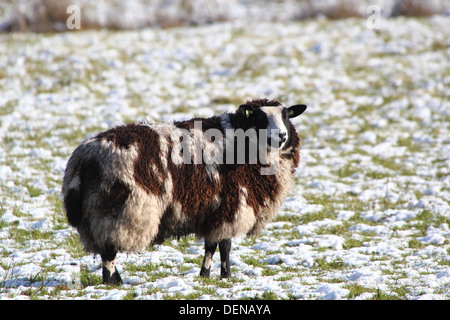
(110, 273)
(225, 248)
(210, 248)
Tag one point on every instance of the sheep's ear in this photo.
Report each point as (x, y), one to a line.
(246, 110)
(296, 110)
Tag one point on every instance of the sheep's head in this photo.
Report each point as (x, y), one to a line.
(272, 116)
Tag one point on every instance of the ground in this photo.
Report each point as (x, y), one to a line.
(369, 214)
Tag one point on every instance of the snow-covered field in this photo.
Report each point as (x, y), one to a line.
(368, 217)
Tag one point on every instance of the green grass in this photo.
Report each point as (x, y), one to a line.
(323, 264)
(73, 246)
(21, 235)
(87, 278)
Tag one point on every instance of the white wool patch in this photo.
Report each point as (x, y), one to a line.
(74, 183)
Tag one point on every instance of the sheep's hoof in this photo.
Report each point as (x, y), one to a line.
(225, 275)
(204, 273)
(111, 279)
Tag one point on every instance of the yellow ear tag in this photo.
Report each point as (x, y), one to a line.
(291, 112)
(248, 113)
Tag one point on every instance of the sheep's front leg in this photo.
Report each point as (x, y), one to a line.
(225, 248)
(210, 248)
(110, 273)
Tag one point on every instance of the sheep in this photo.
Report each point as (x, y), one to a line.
(140, 183)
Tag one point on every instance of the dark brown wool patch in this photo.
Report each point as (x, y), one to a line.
(167, 226)
(171, 226)
(193, 188)
(147, 141)
(113, 201)
(90, 177)
(224, 213)
(73, 205)
(260, 188)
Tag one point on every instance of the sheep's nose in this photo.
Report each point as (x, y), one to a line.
(283, 137)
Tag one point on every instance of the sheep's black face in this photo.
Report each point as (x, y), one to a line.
(272, 122)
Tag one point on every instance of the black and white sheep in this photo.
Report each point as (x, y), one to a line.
(133, 185)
